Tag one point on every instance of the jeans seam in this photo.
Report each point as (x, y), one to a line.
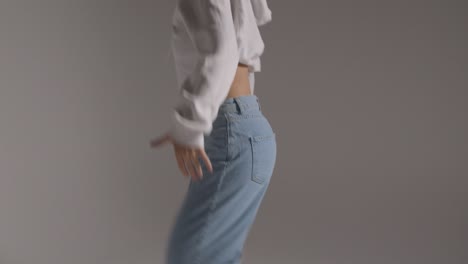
(228, 137)
(197, 257)
(246, 116)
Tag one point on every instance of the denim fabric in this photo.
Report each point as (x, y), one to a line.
(217, 212)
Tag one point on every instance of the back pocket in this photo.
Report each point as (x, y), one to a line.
(263, 157)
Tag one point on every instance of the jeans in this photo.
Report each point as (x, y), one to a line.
(218, 211)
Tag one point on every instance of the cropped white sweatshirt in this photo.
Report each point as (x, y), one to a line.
(209, 38)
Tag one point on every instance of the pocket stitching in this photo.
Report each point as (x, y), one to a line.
(253, 141)
(263, 137)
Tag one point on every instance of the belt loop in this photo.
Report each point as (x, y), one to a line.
(239, 104)
(258, 102)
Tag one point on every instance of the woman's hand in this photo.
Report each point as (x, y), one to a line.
(187, 157)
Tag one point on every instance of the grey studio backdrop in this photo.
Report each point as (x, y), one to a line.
(368, 100)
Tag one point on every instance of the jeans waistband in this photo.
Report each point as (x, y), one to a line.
(240, 104)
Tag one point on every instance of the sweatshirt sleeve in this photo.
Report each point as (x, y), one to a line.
(210, 26)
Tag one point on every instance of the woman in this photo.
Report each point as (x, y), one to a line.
(219, 134)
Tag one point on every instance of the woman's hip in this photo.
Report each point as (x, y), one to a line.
(243, 137)
(240, 119)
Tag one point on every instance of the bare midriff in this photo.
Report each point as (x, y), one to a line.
(241, 84)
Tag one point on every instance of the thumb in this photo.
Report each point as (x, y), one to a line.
(160, 141)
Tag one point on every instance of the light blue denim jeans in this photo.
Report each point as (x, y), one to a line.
(218, 211)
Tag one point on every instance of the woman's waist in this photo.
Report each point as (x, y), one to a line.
(240, 105)
(241, 83)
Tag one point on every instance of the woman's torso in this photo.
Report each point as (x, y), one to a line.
(247, 16)
(241, 83)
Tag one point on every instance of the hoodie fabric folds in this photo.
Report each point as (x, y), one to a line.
(262, 11)
(209, 38)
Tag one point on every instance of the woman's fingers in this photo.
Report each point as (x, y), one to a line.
(159, 141)
(205, 159)
(197, 166)
(189, 163)
(181, 164)
(194, 165)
